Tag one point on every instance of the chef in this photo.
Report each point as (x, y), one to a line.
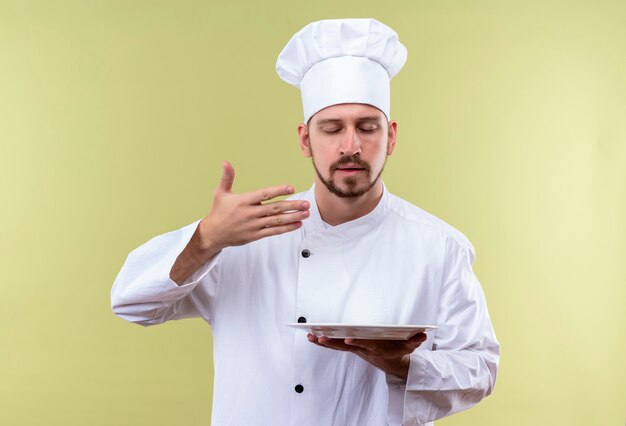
(345, 251)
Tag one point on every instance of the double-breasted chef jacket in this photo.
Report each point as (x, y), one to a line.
(396, 265)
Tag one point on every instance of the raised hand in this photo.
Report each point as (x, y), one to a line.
(237, 219)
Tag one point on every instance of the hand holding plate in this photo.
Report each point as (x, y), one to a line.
(391, 356)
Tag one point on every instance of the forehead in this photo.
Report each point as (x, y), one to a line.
(348, 112)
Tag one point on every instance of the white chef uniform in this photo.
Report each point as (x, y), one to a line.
(396, 265)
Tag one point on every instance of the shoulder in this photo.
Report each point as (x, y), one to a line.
(414, 218)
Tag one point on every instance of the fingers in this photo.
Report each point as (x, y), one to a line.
(267, 194)
(327, 342)
(370, 345)
(256, 197)
(339, 344)
(410, 344)
(405, 346)
(415, 341)
(276, 230)
(228, 177)
(419, 337)
(277, 207)
(282, 219)
(377, 347)
(272, 219)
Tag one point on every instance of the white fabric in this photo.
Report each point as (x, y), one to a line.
(396, 265)
(342, 61)
(333, 81)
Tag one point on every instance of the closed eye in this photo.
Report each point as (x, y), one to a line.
(331, 131)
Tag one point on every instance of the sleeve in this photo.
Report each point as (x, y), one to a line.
(460, 369)
(143, 292)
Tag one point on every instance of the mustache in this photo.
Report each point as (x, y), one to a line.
(349, 159)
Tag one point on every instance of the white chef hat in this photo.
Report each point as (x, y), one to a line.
(341, 61)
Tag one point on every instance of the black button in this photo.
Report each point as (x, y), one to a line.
(299, 388)
(301, 319)
(306, 253)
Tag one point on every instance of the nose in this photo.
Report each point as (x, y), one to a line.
(350, 143)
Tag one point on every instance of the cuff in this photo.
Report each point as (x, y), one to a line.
(396, 388)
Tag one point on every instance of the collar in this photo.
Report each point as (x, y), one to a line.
(315, 228)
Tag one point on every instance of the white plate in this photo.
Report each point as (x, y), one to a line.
(363, 331)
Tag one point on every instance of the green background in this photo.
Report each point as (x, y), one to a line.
(115, 116)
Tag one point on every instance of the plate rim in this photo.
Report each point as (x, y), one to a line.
(346, 325)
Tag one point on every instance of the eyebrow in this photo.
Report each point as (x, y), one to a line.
(328, 121)
(359, 120)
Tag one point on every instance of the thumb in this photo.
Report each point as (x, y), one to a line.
(228, 177)
(415, 341)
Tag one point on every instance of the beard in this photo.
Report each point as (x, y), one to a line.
(351, 184)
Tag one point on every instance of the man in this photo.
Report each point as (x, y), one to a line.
(346, 251)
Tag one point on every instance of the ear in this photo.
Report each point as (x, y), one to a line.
(305, 142)
(392, 133)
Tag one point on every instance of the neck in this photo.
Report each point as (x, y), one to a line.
(335, 210)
